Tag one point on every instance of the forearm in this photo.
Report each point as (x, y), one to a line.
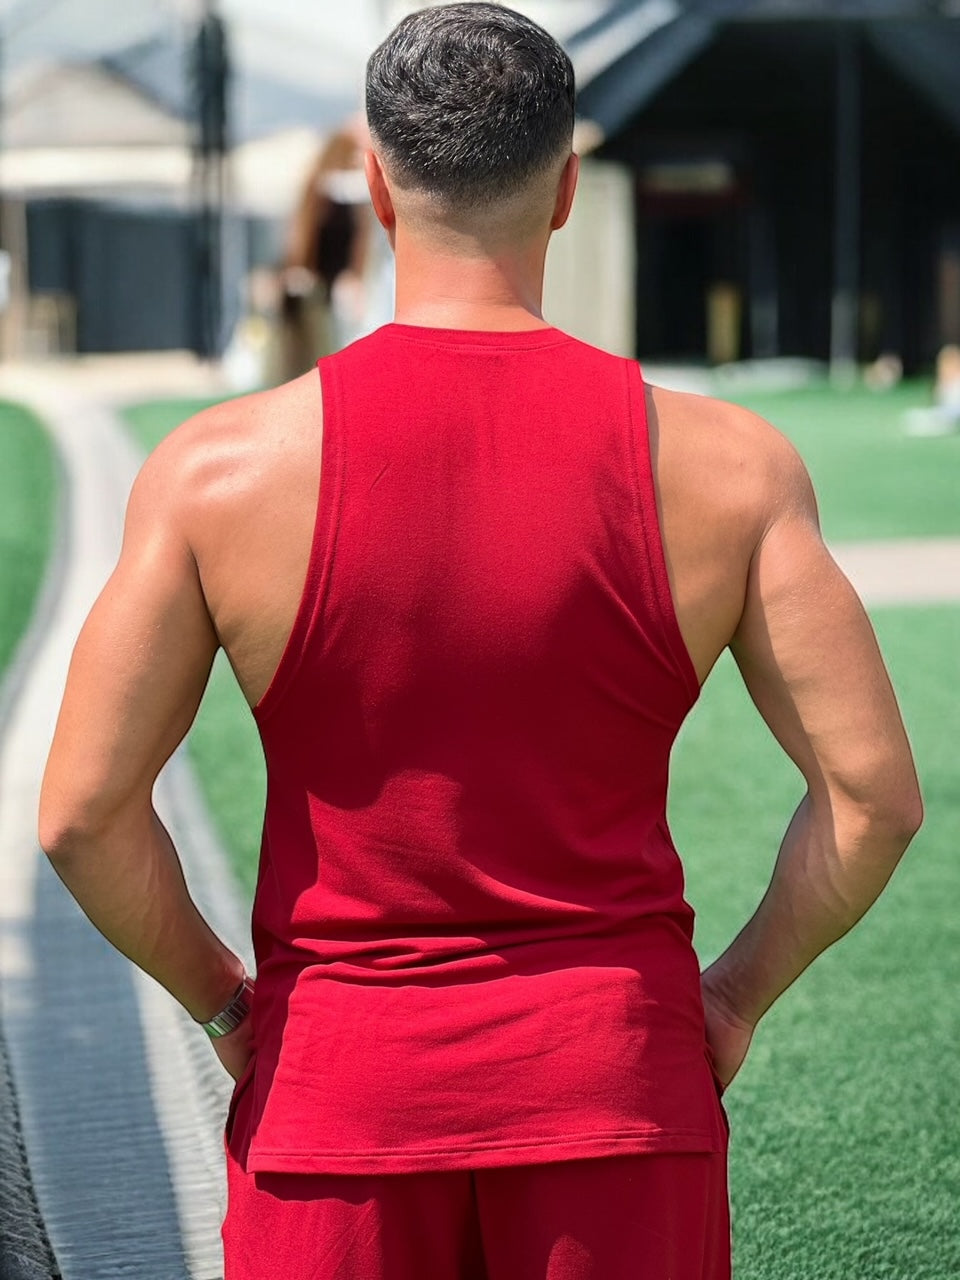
(127, 878)
(833, 864)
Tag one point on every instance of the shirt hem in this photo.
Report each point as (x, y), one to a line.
(484, 1155)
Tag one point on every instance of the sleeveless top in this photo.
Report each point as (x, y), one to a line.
(472, 942)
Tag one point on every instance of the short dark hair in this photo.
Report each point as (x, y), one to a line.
(470, 102)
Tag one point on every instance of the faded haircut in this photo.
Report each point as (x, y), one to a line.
(469, 103)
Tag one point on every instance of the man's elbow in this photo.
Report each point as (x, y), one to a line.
(895, 816)
(878, 809)
(70, 827)
(909, 815)
(64, 833)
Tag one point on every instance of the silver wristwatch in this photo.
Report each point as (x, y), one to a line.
(229, 1019)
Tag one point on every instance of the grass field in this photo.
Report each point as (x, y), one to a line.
(28, 488)
(845, 1159)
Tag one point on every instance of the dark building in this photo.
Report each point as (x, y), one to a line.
(797, 171)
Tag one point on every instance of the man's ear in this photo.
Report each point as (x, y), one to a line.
(379, 191)
(565, 192)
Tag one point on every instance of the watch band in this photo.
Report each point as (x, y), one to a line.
(229, 1018)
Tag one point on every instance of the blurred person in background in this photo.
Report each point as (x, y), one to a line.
(323, 297)
(947, 388)
(943, 416)
(479, 1045)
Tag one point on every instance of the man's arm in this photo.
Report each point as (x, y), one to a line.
(809, 658)
(136, 678)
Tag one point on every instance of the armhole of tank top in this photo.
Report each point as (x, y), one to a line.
(329, 490)
(652, 533)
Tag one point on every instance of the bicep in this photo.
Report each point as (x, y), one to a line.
(810, 660)
(137, 673)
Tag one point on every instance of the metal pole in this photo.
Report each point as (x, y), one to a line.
(13, 212)
(13, 243)
(210, 73)
(845, 316)
(11, 314)
(764, 295)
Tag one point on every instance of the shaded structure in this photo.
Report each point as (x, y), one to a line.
(129, 225)
(797, 172)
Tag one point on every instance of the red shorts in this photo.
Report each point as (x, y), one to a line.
(637, 1217)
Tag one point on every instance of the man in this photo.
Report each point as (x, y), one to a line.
(480, 1044)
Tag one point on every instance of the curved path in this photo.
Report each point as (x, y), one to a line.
(121, 1101)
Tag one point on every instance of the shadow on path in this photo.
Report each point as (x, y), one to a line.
(108, 1212)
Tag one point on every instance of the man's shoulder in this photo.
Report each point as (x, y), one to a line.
(720, 425)
(233, 454)
(242, 422)
(714, 448)
(227, 433)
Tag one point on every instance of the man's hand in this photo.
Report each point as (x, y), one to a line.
(728, 1036)
(236, 1049)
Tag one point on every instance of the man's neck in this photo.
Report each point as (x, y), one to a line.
(442, 290)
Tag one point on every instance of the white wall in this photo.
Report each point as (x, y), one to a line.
(591, 267)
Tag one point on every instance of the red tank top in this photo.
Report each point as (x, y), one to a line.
(473, 947)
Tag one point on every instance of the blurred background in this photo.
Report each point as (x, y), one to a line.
(765, 178)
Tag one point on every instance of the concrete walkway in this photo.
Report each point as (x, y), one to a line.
(121, 1100)
(913, 571)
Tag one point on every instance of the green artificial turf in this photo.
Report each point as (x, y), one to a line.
(845, 1158)
(225, 747)
(28, 491)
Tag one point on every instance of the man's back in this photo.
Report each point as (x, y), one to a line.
(240, 483)
(467, 744)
